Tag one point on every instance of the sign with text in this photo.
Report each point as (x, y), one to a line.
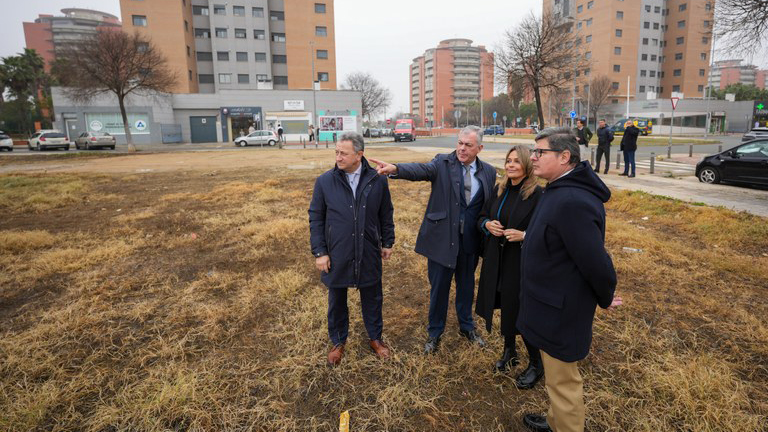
(293, 105)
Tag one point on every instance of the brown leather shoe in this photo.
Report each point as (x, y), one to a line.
(380, 349)
(335, 355)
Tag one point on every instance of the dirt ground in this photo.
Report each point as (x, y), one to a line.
(177, 292)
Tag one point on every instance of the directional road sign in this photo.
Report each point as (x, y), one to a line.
(573, 114)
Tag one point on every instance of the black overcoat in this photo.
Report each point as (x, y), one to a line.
(501, 262)
(629, 140)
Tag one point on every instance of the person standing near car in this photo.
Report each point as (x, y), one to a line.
(311, 133)
(351, 230)
(629, 146)
(449, 237)
(280, 132)
(251, 129)
(604, 140)
(565, 274)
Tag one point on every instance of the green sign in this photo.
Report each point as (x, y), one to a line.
(760, 106)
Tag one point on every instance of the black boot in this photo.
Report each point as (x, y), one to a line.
(509, 357)
(535, 370)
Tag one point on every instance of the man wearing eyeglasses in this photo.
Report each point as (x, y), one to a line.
(448, 236)
(565, 274)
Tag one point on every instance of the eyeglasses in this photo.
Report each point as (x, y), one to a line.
(540, 151)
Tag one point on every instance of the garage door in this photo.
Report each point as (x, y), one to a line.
(203, 129)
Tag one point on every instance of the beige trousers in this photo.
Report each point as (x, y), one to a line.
(566, 395)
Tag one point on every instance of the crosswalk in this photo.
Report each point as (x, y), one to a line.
(661, 166)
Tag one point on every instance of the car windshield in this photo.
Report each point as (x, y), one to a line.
(4, 136)
(403, 126)
(54, 135)
(100, 134)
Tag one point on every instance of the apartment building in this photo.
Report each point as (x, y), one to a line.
(727, 72)
(446, 78)
(215, 45)
(648, 48)
(50, 33)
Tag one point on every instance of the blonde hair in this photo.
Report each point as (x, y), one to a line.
(530, 182)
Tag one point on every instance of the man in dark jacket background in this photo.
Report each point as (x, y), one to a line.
(565, 273)
(604, 139)
(351, 231)
(448, 236)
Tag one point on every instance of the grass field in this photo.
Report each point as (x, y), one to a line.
(188, 301)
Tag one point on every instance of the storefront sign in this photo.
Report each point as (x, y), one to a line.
(112, 123)
(293, 105)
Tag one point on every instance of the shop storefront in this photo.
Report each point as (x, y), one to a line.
(236, 121)
(760, 114)
(332, 124)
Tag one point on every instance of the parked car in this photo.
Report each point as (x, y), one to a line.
(405, 130)
(6, 143)
(46, 139)
(746, 163)
(386, 132)
(259, 137)
(90, 140)
(645, 125)
(759, 132)
(494, 130)
(375, 133)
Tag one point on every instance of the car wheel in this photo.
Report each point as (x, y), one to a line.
(709, 175)
(272, 142)
(242, 143)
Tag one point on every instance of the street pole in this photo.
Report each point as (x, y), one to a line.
(573, 94)
(314, 96)
(627, 96)
(709, 85)
(671, 125)
(482, 120)
(589, 99)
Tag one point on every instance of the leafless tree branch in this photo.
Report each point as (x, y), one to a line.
(376, 98)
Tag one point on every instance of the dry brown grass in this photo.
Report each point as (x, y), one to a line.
(196, 307)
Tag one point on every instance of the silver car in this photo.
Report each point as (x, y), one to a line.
(259, 137)
(42, 140)
(89, 140)
(760, 132)
(6, 143)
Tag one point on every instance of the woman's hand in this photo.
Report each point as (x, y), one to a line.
(495, 228)
(514, 235)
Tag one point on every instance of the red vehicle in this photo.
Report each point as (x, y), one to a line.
(405, 130)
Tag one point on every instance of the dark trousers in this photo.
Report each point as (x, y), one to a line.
(440, 279)
(629, 159)
(338, 313)
(603, 151)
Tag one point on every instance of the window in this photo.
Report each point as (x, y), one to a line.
(221, 32)
(321, 31)
(279, 58)
(322, 76)
(655, 42)
(645, 41)
(652, 74)
(614, 101)
(578, 26)
(647, 8)
(678, 56)
(262, 77)
(618, 32)
(642, 89)
(653, 57)
(644, 57)
(238, 11)
(617, 50)
(144, 46)
(617, 68)
(278, 37)
(681, 24)
(222, 55)
(661, 89)
(580, 9)
(240, 33)
(219, 10)
(677, 72)
(615, 85)
(241, 56)
(320, 8)
(199, 10)
(277, 15)
(575, 89)
(258, 34)
(257, 12)
(657, 9)
(708, 7)
(705, 40)
(647, 24)
(589, 22)
(281, 80)
(642, 73)
(706, 23)
(619, 15)
(682, 7)
(189, 51)
(225, 78)
(703, 56)
(586, 72)
(588, 55)
(140, 20)
(590, 4)
(680, 40)
(588, 38)
(260, 57)
(204, 56)
(701, 89)
(243, 79)
(702, 72)
(676, 88)
(205, 78)
(203, 33)
(655, 26)
(322, 54)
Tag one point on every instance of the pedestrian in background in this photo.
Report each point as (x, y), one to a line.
(584, 135)
(629, 146)
(280, 132)
(311, 133)
(604, 140)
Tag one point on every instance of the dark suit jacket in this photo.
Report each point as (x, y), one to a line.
(438, 237)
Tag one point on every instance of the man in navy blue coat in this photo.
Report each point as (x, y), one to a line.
(351, 230)
(448, 237)
(565, 274)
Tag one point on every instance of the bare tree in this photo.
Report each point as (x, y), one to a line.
(561, 102)
(113, 62)
(742, 24)
(376, 98)
(544, 52)
(599, 90)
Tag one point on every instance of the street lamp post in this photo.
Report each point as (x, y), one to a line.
(314, 96)
(709, 85)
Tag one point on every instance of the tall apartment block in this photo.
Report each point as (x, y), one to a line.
(727, 72)
(240, 44)
(663, 46)
(49, 33)
(447, 77)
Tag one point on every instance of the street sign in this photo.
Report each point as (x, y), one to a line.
(505, 118)
(457, 114)
(494, 115)
(389, 121)
(573, 114)
(674, 100)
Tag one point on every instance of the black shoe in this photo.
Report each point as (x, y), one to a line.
(473, 337)
(432, 344)
(536, 423)
(605, 172)
(529, 377)
(508, 358)
(631, 175)
(623, 174)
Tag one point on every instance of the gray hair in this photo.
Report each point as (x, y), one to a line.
(355, 138)
(561, 139)
(475, 130)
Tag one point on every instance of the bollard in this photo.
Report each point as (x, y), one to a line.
(592, 156)
(326, 143)
(653, 162)
(720, 148)
(690, 150)
(315, 145)
(669, 152)
(618, 159)
(303, 142)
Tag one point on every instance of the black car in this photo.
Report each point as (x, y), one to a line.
(746, 163)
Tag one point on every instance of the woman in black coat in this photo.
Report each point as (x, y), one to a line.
(628, 147)
(504, 220)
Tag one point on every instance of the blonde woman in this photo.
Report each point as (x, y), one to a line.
(504, 220)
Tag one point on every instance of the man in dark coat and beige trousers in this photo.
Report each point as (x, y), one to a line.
(449, 237)
(565, 274)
